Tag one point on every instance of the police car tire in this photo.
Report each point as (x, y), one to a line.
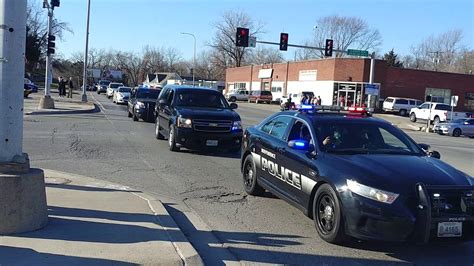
(253, 188)
(129, 114)
(172, 139)
(135, 117)
(337, 234)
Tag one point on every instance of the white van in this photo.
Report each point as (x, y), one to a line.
(398, 105)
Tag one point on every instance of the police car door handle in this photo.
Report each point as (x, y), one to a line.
(282, 150)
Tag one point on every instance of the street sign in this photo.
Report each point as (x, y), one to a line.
(252, 41)
(454, 100)
(357, 52)
(372, 89)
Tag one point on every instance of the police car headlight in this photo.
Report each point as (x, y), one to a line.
(237, 125)
(139, 105)
(371, 193)
(184, 122)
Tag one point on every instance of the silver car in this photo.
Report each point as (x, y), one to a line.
(456, 128)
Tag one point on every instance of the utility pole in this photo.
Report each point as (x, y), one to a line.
(371, 77)
(22, 190)
(194, 57)
(46, 102)
(436, 59)
(84, 82)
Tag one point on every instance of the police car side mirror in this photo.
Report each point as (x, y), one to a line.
(434, 154)
(299, 144)
(425, 147)
(233, 106)
(162, 102)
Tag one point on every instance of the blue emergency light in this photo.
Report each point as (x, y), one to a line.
(300, 144)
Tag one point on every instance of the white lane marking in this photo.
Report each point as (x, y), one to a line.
(99, 103)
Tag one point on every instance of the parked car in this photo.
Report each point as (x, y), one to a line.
(29, 85)
(456, 128)
(113, 86)
(260, 96)
(237, 95)
(440, 112)
(400, 105)
(121, 95)
(102, 86)
(141, 104)
(197, 118)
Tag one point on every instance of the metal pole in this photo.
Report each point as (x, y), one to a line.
(429, 115)
(371, 77)
(12, 72)
(452, 108)
(47, 82)
(84, 82)
(194, 57)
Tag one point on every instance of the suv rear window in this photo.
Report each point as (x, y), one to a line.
(443, 107)
(389, 100)
(265, 93)
(401, 101)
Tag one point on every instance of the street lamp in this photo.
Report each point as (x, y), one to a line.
(194, 57)
(84, 82)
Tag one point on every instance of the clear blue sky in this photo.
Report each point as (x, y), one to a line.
(129, 25)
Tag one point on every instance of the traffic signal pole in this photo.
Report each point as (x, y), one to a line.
(22, 189)
(301, 46)
(46, 102)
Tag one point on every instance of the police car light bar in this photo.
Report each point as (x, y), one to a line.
(300, 144)
(306, 107)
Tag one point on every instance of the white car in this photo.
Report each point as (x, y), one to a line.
(111, 88)
(121, 95)
(440, 112)
(400, 105)
(238, 95)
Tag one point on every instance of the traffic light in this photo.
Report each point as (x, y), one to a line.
(51, 44)
(54, 3)
(283, 41)
(328, 48)
(242, 37)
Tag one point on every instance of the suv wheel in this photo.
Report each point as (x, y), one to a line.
(158, 135)
(436, 120)
(457, 132)
(129, 114)
(249, 172)
(403, 112)
(327, 215)
(413, 117)
(233, 99)
(172, 139)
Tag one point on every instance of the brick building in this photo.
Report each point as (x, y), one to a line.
(346, 79)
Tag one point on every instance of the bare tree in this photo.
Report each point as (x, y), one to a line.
(265, 56)
(465, 62)
(224, 38)
(347, 32)
(131, 66)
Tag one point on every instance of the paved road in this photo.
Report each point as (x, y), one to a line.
(110, 146)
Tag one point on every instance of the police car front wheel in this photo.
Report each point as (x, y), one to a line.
(327, 215)
(250, 178)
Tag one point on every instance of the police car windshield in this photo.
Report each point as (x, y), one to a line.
(205, 99)
(363, 138)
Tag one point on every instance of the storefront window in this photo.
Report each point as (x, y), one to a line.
(438, 95)
(347, 94)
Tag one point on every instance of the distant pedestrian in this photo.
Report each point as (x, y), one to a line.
(61, 86)
(70, 87)
(318, 100)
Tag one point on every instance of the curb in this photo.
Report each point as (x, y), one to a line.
(96, 109)
(181, 243)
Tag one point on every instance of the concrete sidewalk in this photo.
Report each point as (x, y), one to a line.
(92, 222)
(62, 105)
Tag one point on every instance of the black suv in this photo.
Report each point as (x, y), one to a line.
(142, 104)
(197, 118)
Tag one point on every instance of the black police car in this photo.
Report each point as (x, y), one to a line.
(197, 118)
(357, 176)
(142, 103)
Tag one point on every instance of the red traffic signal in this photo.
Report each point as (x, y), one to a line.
(242, 37)
(283, 41)
(328, 48)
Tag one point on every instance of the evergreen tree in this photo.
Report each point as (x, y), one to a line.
(391, 59)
